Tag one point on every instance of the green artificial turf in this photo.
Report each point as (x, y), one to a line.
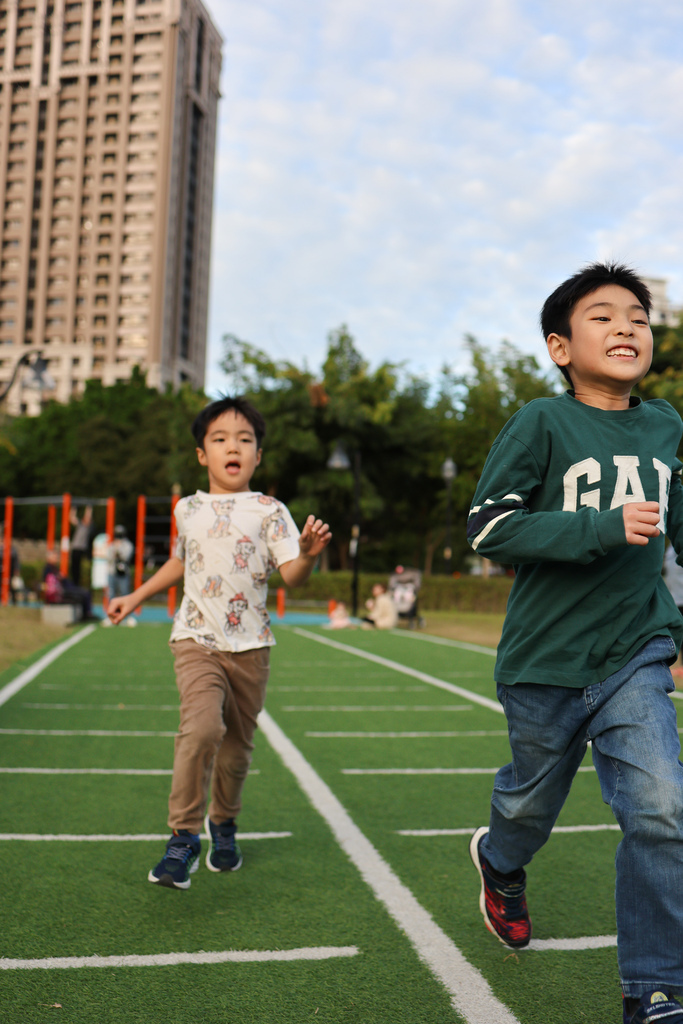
(93, 898)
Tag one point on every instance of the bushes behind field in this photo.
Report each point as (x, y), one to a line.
(438, 593)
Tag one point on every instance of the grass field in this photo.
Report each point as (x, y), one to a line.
(357, 900)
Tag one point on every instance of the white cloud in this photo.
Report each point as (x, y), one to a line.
(423, 170)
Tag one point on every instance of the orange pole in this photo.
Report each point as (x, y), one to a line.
(109, 530)
(7, 551)
(51, 523)
(140, 540)
(111, 519)
(280, 602)
(172, 591)
(64, 556)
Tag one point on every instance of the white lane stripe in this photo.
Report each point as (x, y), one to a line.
(376, 707)
(34, 670)
(470, 993)
(586, 942)
(348, 689)
(96, 771)
(476, 698)
(105, 837)
(405, 735)
(428, 833)
(246, 956)
(432, 771)
(445, 642)
(102, 707)
(82, 732)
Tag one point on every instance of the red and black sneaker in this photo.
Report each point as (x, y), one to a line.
(502, 900)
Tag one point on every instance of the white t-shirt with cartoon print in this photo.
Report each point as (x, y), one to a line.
(230, 545)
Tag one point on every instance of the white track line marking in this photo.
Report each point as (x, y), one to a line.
(486, 702)
(246, 956)
(347, 689)
(444, 641)
(102, 707)
(104, 837)
(425, 833)
(376, 707)
(34, 670)
(589, 942)
(470, 993)
(81, 732)
(96, 771)
(403, 735)
(433, 771)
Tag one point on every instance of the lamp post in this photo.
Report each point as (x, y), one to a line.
(340, 460)
(39, 377)
(449, 471)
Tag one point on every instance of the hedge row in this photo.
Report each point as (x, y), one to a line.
(437, 593)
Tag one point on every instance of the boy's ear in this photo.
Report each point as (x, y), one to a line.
(558, 349)
(259, 453)
(201, 456)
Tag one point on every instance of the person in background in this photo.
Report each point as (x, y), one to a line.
(673, 577)
(80, 542)
(59, 589)
(16, 583)
(382, 612)
(119, 555)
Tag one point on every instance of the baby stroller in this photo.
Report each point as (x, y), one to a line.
(404, 586)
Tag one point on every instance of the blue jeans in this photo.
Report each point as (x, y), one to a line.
(631, 722)
(119, 586)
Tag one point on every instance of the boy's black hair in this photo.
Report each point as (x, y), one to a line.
(239, 405)
(558, 307)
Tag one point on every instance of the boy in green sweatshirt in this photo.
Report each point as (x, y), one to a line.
(578, 492)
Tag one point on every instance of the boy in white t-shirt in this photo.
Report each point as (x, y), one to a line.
(229, 542)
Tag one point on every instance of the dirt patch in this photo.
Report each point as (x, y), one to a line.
(22, 633)
(472, 627)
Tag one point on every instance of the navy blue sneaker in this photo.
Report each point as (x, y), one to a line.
(655, 1005)
(224, 853)
(179, 861)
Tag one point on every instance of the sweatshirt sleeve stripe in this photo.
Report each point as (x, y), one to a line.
(485, 517)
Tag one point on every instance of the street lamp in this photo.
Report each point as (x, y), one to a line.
(449, 471)
(340, 460)
(39, 377)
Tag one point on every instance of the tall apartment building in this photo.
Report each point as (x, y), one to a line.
(107, 144)
(662, 312)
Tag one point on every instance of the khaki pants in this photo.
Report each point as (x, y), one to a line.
(220, 696)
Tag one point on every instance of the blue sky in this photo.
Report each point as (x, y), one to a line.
(423, 169)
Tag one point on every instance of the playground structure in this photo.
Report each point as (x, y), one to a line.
(147, 544)
(145, 540)
(53, 502)
(66, 502)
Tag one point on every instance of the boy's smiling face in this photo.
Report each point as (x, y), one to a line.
(610, 349)
(230, 453)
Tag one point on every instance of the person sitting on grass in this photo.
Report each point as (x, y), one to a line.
(229, 541)
(577, 492)
(59, 589)
(382, 612)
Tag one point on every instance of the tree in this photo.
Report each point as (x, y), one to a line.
(401, 429)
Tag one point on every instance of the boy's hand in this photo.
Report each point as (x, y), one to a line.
(314, 537)
(640, 521)
(119, 607)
